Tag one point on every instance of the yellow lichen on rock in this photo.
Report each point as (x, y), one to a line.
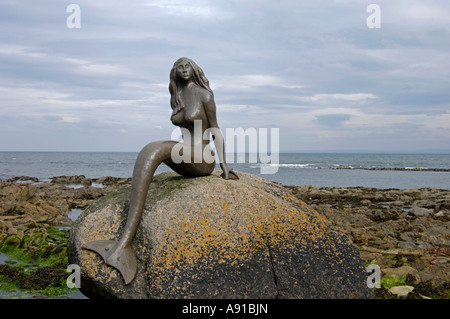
(207, 237)
(232, 230)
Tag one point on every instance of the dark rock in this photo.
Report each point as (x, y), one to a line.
(23, 179)
(109, 180)
(207, 237)
(76, 179)
(37, 280)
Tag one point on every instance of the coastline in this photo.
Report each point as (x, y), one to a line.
(405, 232)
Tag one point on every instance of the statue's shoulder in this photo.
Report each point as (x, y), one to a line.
(205, 95)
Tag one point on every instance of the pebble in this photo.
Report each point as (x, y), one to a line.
(442, 260)
(442, 213)
(420, 211)
(401, 291)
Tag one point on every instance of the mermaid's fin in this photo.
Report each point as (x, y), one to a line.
(122, 259)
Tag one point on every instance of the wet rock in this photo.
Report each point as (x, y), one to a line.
(398, 203)
(366, 202)
(24, 204)
(109, 180)
(23, 179)
(207, 237)
(76, 179)
(37, 280)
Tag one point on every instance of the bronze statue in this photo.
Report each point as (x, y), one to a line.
(192, 102)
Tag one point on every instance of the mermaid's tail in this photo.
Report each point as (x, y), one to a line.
(119, 254)
(121, 258)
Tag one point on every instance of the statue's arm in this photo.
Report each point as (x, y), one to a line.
(210, 110)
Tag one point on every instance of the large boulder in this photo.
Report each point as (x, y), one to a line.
(207, 237)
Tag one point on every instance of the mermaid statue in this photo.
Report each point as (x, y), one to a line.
(193, 107)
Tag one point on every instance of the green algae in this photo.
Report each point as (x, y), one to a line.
(37, 261)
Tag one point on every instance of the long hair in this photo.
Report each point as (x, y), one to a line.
(198, 77)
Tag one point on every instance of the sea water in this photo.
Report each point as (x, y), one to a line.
(320, 169)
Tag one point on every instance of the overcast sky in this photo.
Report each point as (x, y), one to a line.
(313, 69)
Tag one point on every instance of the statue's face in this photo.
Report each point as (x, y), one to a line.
(184, 70)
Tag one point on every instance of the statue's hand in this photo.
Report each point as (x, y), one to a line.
(228, 173)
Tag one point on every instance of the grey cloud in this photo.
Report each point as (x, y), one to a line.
(264, 58)
(332, 120)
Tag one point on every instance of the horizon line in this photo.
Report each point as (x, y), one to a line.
(431, 151)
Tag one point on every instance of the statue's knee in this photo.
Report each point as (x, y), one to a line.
(155, 152)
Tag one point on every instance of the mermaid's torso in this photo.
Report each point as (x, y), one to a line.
(193, 111)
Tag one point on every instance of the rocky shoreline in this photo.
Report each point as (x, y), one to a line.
(405, 232)
(34, 223)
